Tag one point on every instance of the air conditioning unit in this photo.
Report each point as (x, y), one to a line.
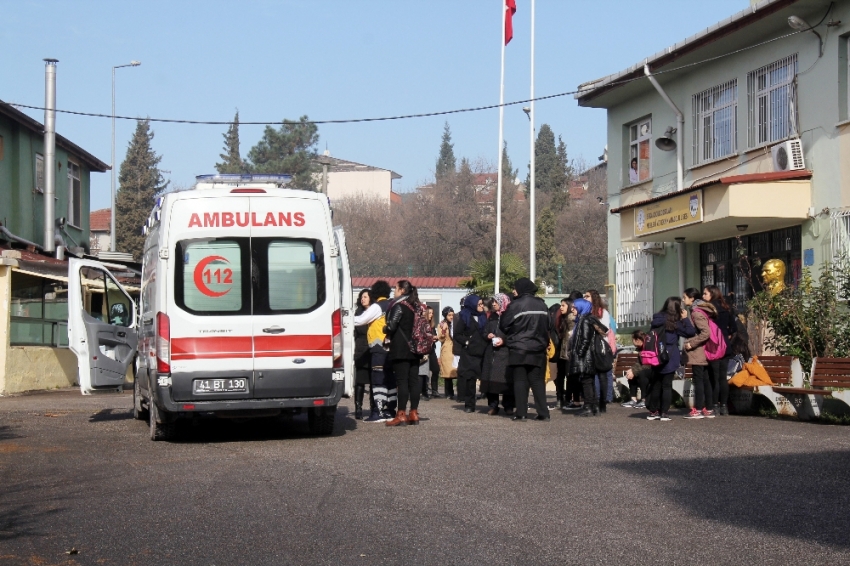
(788, 156)
(656, 248)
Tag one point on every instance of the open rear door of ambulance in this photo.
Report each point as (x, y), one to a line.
(101, 326)
(348, 306)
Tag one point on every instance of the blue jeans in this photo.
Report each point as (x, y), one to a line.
(609, 379)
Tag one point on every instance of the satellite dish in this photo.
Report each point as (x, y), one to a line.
(665, 142)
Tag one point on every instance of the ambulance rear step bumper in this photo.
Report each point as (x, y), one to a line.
(220, 405)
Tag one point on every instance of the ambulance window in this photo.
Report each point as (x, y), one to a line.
(293, 278)
(212, 276)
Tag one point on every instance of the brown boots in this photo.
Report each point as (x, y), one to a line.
(413, 417)
(400, 419)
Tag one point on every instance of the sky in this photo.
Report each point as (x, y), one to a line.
(330, 60)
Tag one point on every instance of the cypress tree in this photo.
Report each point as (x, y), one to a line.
(446, 162)
(231, 159)
(139, 180)
(288, 150)
(546, 249)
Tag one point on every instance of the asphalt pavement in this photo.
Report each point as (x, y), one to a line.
(81, 483)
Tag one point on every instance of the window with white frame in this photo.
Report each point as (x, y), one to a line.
(771, 98)
(640, 151)
(840, 244)
(635, 279)
(716, 122)
(39, 173)
(75, 195)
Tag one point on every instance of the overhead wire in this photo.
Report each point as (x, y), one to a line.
(418, 115)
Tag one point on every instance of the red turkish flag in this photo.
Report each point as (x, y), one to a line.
(510, 10)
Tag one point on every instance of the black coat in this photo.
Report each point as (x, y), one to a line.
(469, 344)
(726, 323)
(399, 330)
(581, 353)
(526, 325)
(495, 377)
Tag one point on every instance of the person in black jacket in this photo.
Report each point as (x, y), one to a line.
(717, 369)
(469, 343)
(671, 323)
(404, 362)
(362, 358)
(526, 326)
(495, 378)
(581, 357)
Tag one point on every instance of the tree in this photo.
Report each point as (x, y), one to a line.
(139, 180)
(446, 163)
(231, 159)
(482, 274)
(288, 150)
(552, 170)
(546, 249)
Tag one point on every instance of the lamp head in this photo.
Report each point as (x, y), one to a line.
(135, 63)
(742, 227)
(798, 23)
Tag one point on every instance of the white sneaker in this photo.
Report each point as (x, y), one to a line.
(628, 404)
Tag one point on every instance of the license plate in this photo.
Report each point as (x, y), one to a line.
(236, 385)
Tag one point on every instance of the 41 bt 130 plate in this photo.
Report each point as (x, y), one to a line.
(220, 385)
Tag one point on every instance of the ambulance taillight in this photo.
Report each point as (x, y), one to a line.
(336, 323)
(163, 343)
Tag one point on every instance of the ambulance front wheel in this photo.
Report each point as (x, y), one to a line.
(321, 420)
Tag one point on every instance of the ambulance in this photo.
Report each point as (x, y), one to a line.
(245, 308)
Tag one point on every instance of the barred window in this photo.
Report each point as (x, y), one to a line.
(772, 114)
(716, 122)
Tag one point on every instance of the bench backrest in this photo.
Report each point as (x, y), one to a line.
(831, 372)
(778, 368)
(625, 361)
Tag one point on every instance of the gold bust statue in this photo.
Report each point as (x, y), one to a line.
(773, 276)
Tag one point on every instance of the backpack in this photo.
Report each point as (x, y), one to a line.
(715, 348)
(603, 357)
(654, 351)
(422, 338)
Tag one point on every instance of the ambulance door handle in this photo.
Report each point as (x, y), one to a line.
(274, 330)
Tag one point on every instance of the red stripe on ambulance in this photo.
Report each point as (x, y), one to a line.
(223, 347)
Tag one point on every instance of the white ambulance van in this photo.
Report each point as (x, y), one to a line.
(245, 309)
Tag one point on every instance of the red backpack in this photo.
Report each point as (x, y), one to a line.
(422, 338)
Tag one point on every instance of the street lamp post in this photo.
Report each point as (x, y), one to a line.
(112, 216)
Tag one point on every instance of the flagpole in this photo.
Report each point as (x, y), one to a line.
(501, 136)
(532, 262)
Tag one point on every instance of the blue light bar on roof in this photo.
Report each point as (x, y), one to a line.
(238, 178)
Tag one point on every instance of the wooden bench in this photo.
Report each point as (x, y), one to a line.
(830, 377)
(623, 363)
(783, 371)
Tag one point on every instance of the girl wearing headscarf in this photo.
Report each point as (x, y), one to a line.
(581, 357)
(495, 377)
(448, 368)
(470, 343)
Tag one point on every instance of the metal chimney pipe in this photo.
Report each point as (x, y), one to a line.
(49, 152)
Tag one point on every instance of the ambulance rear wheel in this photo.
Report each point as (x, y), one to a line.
(163, 430)
(321, 420)
(139, 412)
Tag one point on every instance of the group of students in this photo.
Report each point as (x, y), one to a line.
(700, 330)
(503, 345)
(500, 348)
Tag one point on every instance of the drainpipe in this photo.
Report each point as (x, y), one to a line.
(680, 152)
(49, 152)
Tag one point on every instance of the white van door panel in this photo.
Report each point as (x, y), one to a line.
(101, 326)
(294, 301)
(209, 297)
(347, 311)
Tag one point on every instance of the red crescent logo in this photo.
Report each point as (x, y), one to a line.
(199, 276)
